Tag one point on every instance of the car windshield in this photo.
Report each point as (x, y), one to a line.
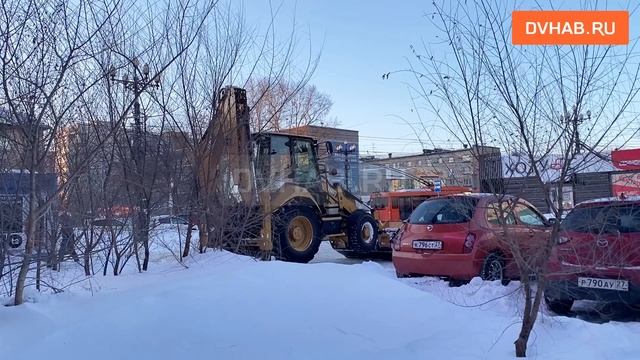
(603, 218)
(444, 211)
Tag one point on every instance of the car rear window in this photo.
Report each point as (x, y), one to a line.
(444, 211)
(602, 219)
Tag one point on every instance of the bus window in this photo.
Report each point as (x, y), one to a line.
(404, 203)
(394, 202)
(417, 200)
(379, 202)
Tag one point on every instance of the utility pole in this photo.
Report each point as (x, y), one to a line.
(574, 119)
(141, 82)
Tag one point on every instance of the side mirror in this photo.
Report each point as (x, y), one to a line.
(329, 146)
(552, 221)
(333, 172)
(322, 168)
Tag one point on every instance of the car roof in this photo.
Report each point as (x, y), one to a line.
(489, 196)
(610, 201)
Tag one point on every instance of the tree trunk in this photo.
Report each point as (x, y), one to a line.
(116, 265)
(187, 241)
(31, 237)
(145, 239)
(203, 231)
(86, 263)
(529, 316)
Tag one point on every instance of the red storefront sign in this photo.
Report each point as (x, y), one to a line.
(628, 159)
(626, 183)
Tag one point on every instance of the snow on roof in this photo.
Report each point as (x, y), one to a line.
(635, 198)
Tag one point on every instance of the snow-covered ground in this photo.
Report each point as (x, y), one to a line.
(223, 306)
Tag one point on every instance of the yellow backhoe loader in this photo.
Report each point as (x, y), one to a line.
(277, 179)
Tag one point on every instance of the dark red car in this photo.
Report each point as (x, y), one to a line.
(463, 236)
(597, 256)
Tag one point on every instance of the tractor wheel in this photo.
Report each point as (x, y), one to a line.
(362, 232)
(297, 235)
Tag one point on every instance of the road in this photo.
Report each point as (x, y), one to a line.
(327, 254)
(585, 310)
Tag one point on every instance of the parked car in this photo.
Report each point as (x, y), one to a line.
(109, 222)
(597, 256)
(174, 220)
(461, 236)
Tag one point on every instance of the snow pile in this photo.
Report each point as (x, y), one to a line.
(231, 307)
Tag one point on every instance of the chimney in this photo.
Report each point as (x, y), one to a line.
(425, 151)
(390, 155)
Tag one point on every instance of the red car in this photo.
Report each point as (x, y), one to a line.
(461, 236)
(597, 256)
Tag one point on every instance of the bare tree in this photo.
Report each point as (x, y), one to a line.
(284, 105)
(54, 57)
(192, 100)
(541, 103)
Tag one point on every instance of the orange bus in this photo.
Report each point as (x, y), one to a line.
(393, 207)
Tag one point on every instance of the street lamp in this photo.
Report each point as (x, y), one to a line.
(345, 149)
(575, 119)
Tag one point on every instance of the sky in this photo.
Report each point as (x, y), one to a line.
(360, 41)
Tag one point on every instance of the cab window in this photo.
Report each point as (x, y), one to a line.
(304, 161)
(280, 155)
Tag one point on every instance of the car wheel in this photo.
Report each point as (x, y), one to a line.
(493, 269)
(297, 235)
(559, 306)
(363, 232)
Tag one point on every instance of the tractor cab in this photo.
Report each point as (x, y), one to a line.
(284, 158)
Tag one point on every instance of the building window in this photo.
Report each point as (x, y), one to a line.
(409, 163)
(451, 159)
(466, 158)
(419, 162)
(439, 160)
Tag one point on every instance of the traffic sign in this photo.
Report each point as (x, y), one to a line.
(437, 185)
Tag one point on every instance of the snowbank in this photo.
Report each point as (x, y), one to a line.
(230, 307)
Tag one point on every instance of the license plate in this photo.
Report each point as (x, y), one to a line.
(607, 284)
(427, 244)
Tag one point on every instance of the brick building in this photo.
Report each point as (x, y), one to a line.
(474, 167)
(343, 163)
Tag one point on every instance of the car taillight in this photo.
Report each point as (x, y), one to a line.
(395, 240)
(563, 240)
(468, 242)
